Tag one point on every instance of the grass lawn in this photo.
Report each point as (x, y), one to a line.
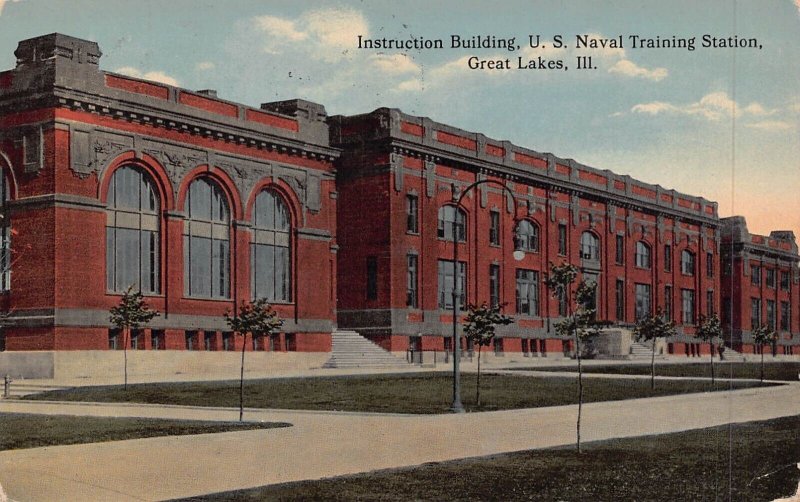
(786, 371)
(690, 465)
(22, 430)
(417, 393)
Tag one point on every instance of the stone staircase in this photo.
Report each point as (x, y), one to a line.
(351, 350)
(641, 351)
(19, 388)
(731, 356)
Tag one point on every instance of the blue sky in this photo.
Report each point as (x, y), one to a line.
(721, 123)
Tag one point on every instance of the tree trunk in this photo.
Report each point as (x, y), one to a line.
(478, 387)
(711, 344)
(241, 379)
(125, 355)
(653, 367)
(580, 386)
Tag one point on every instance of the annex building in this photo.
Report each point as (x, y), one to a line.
(343, 222)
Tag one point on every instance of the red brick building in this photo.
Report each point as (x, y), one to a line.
(760, 287)
(110, 181)
(647, 247)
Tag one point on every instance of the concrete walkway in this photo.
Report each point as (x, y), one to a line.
(328, 444)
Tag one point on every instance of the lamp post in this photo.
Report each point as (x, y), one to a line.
(457, 407)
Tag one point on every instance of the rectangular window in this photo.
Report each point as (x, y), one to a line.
(562, 303)
(620, 250)
(494, 284)
(562, 240)
(372, 278)
(785, 281)
(785, 316)
(411, 282)
(667, 258)
(189, 336)
(494, 228)
(498, 346)
(668, 303)
(227, 341)
(620, 299)
(726, 311)
(755, 313)
(755, 275)
(687, 302)
(114, 339)
(643, 306)
(528, 292)
(208, 340)
(32, 145)
(157, 339)
(709, 265)
(771, 278)
(771, 314)
(687, 262)
(710, 302)
(642, 256)
(447, 282)
(412, 214)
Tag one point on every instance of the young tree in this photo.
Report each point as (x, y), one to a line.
(257, 318)
(709, 330)
(763, 335)
(576, 324)
(480, 328)
(652, 327)
(131, 313)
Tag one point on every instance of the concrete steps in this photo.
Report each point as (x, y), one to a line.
(643, 351)
(733, 356)
(351, 350)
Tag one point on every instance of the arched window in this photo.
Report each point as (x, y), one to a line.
(527, 236)
(132, 232)
(451, 217)
(206, 248)
(590, 247)
(5, 236)
(270, 258)
(642, 255)
(687, 262)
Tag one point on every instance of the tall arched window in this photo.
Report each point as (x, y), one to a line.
(5, 236)
(132, 232)
(527, 236)
(450, 217)
(270, 256)
(206, 248)
(590, 247)
(687, 262)
(642, 254)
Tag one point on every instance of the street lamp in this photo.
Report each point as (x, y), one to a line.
(457, 407)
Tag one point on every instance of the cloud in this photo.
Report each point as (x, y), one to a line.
(771, 125)
(3, 4)
(394, 64)
(713, 106)
(631, 69)
(205, 66)
(653, 108)
(157, 76)
(797, 4)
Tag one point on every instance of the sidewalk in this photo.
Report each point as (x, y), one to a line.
(324, 444)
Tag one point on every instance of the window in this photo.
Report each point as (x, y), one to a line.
(726, 311)
(590, 247)
(727, 267)
(710, 302)
(157, 339)
(620, 299)
(562, 303)
(412, 214)
(643, 306)
(642, 255)
(132, 232)
(208, 340)
(114, 339)
(755, 313)
(784, 281)
(755, 275)
(5, 236)
(771, 278)
(411, 281)
(206, 248)
(527, 292)
(687, 301)
(667, 258)
(687, 262)
(270, 255)
(189, 337)
(447, 283)
(372, 278)
(494, 228)
(497, 343)
(668, 303)
(136, 339)
(562, 240)
(619, 256)
(452, 219)
(709, 265)
(527, 236)
(227, 341)
(771, 314)
(785, 316)
(494, 285)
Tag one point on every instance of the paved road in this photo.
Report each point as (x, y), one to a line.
(324, 444)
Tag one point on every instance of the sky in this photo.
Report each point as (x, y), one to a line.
(721, 123)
